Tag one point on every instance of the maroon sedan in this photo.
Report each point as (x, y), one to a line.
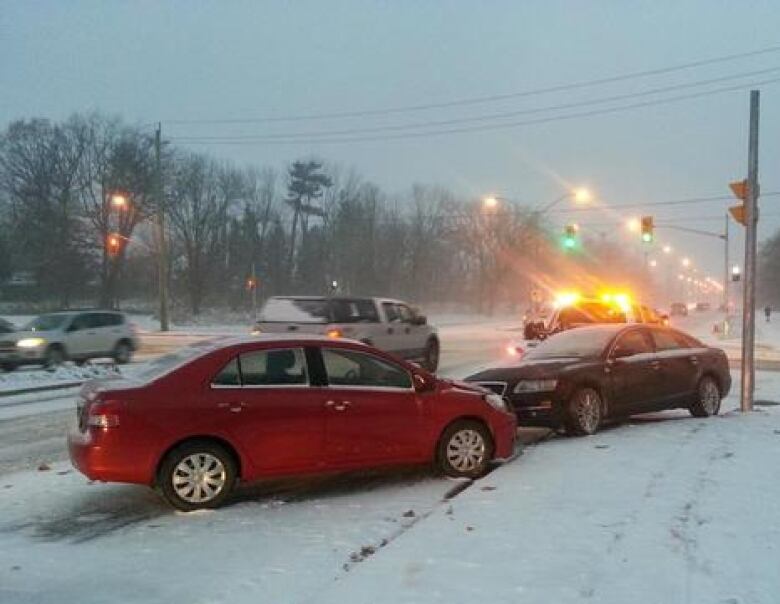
(193, 422)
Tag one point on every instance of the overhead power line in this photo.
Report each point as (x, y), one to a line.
(482, 99)
(480, 118)
(477, 128)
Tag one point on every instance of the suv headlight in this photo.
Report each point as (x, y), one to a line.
(30, 342)
(524, 386)
(496, 401)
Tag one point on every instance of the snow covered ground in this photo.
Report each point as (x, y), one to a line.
(664, 509)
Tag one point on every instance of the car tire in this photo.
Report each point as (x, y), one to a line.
(707, 399)
(123, 352)
(54, 356)
(465, 449)
(584, 412)
(197, 475)
(431, 355)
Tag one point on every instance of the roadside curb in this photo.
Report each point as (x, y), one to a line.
(33, 389)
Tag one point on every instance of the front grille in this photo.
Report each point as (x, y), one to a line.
(497, 387)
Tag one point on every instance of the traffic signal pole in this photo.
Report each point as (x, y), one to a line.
(749, 295)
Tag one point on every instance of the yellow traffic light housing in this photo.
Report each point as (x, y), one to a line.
(647, 229)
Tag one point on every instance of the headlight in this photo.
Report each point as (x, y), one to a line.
(535, 386)
(496, 401)
(30, 343)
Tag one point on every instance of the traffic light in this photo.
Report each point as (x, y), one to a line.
(570, 236)
(740, 190)
(647, 229)
(113, 244)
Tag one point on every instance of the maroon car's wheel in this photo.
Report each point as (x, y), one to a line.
(197, 475)
(583, 413)
(465, 449)
(707, 401)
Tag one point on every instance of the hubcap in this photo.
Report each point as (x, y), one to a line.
(588, 411)
(199, 478)
(466, 450)
(710, 397)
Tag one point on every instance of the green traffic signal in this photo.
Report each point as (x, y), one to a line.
(569, 242)
(647, 237)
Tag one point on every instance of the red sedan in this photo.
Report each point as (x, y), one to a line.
(194, 422)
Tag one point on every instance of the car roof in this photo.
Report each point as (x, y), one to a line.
(281, 338)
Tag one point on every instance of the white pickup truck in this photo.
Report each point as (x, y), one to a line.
(390, 325)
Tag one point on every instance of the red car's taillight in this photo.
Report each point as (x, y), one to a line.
(104, 414)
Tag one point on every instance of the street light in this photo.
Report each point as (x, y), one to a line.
(686, 262)
(667, 249)
(490, 202)
(653, 263)
(119, 201)
(634, 225)
(582, 195)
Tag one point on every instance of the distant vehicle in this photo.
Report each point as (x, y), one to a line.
(6, 327)
(572, 310)
(390, 325)
(54, 338)
(663, 318)
(580, 378)
(703, 306)
(193, 422)
(679, 309)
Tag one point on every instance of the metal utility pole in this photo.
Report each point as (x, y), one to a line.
(162, 252)
(749, 295)
(726, 269)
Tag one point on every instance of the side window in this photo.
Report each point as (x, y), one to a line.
(229, 376)
(367, 311)
(111, 319)
(631, 343)
(391, 312)
(94, 320)
(79, 322)
(280, 367)
(666, 340)
(352, 368)
(406, 314)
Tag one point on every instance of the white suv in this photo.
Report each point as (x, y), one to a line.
(53, 338)
(388, 324)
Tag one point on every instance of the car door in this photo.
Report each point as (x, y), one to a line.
(372, 412)
(80, 335)
(272, 410)
(111, 331)
(634, 372)
(679, 366)
(414, 335)
(389, 336)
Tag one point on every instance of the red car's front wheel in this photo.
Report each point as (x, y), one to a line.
(465, 449)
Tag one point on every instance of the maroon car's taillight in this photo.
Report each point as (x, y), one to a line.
(104, 414)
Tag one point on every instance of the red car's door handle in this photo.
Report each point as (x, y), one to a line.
(338, 406)
(656, 365)
(233, 407)
(693, 360)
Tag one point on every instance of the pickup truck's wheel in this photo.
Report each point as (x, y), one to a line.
(431, 356)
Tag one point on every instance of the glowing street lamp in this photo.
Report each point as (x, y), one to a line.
(667, 249)
(686, 262)
(119, 201)
(582, 195)
(653, 263)
(634, 225)
(490, 202)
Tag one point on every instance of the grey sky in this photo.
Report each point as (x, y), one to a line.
(150, 61)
